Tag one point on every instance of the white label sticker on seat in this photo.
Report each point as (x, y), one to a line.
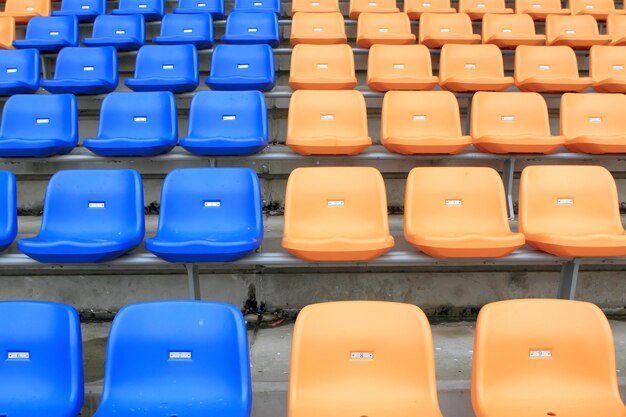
(253, 30)
(143, 6)
(229, 118)
(536, 354)
(120, 32)
(454, 202)
(212, 203)
(570, 32)
(444, 30)
(425, 4)
(11, 70)
(54, 33)
(371, 4)
(419, 117)
(595, 119)
(507, 118)
(201, 4)
(336, 203)
(470, 66)
(30, 9)
(315, 3)
(18, 355)
(187, 30)
(168, 66)
(398, 66)
(384, 30)
(43, 121)
(564, 201)
(140, 119)
(480, 5)
(362, 355)
(322, 66)
(180, 355)
(506, 31)
(536, 6)
(544, 67)
(589, 6)
(327, 117)
(618, 67)
(257, 3)
(96, 204)
(88, 68)
(85, 7)
(318, 29)
(243, 66)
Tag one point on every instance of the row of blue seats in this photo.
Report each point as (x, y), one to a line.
(158, 68)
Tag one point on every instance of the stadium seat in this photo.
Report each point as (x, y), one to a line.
(571, 211)
(322, 67)
(327, 123)
(252, 28)
(540, 9)
(378, 360)
(314, 6)
(548, 69)
(177, 358)
(616, 29)
(376, 6)
(400, 67)
(594, 123)
(415, 8)
(607, 68)
(242, 67)
(19, 71)
(49, 33)
(42, 358)
(227, 123)
(579, 32)
(125, 33)
(336, 214)
(476, 9)
(437, 29)
(84, 71)
(136, 124)
(208, 215)
(213, 7)
(422, 122)
(544, 357)
(151, 10)
(7, 32)
(84, 223)
(457, 212)
(165, 68)
(23, 10)
(317, 28)
(600, 9)
(8, 215)
(472, 68)
(84, 10)
(384, 28)
(181, 29)
(38, 125)
(272, 6)
(510, 30)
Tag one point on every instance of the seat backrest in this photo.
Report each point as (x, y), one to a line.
(8, 209)
(529, 6)
(545, 62)
(364, 5)
(203, 6)
(425, 5)
(242, 60)
(364, 357)
(568, 200)
(51, 28)
(123, 26)
(470, 61)
(437, 24)
(578, 6)
(507, 24)
(312, 61)
(7, 31)
(398, 60)
(616, 26)
(21, 65)
(167, 61)
(252, 23)
(200, 24)
(97, 6)
(380, 24)
(42, 359)
(178, 355)
(157, 5)
(583, 25)
(465, 5)
(258, 6)
(595, 115)
(606, 62)
(41, 7)
(317, 23)
(87, 64)
(314, 6)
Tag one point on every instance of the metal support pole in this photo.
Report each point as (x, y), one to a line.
(193, 277)
(569, 278)
(507, 177)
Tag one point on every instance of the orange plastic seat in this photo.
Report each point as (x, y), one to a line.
(422, 122)
(594, 123)
(616, 29)
(540, 9)
(400, 67)
(542, 357)
(472, 68)
(415, 8)
(362, 358)
(607, 68)
(318, 28)
(23, 10)
(438, 29)
(600, 9)
(571, 211)
(7, 32)
(455, 212)
(548, 69)
(476, 9)
(322, 67)
(327, 123)
(579, 32)
(372, 6)
(314, 6)
(387, 28)
(512, 123)
(510, 30)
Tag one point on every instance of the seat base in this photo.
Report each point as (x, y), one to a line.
(150, 15)
(128, 147)
(426, 145)
(249, 40)
(354, 13)
(414, 14)
(121, 44)
(478, 14)
(585, 42)
(610, 85)
(41, 148)
(383, 84)
(460, 85)
(541, 14)
(468, 247)
(513, 41)
(366, 42)
(439, 41)
(83, 16)
(327, 39)
(215, 13)
(198, 41)
(520, 144)
(560, 85)
(223, 146)
(328, 146)
(21, 18)
(597, 145)
(78, 86)
(198, 251)
(321, 83)
(240, 83)
(40, 45)
(338, 256)
(68, 251)
(11, 88)
(580, 246)
(174, 85)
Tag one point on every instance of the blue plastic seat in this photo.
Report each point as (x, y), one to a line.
(151, 10)
(208, 215)
(226, 123)
(242, 67)
(39, 125)
(165, 68)
(89, 215)
(8, 212)
(177, 358)
(257, 6)
(251, 28)
(19, 71)
(181, 29)
(84, 10)
(42, 363)
(49, 33)
(124, 33)
(213, 7)
(136, 124)
(84, 71)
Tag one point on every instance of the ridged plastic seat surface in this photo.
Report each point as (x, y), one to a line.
(23, 10)
(272, 6)
(317, 28)
(42, 368)
(151, 10)
(250, 28)
(607, 68)
(457, 212)
(528, 360)
(377, 6)
(8, 214)
(7, 32)
(540, 9)
(227, 123)
(242, 67)
(476, 9)
(422, 122)
(548, 69)
(437, 29)
(89, 215)
(415, 8)
(400, 67)
(208, 215)
(579, 32)
(84, 71)
(571, 211)
(213, 7)
(314, 6)
(19, 71)
(327, 123)
(510, 30)
(512, 123)
(123, 32)
(322, 67)
(165, 68)
(365, 358)
(181, 29)
(616, 29)
(600, 9)
(84, 10)
(384, 28)
(177, 358)
(336, 214)
(472, 68)
(49, 33)
(38, 125)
